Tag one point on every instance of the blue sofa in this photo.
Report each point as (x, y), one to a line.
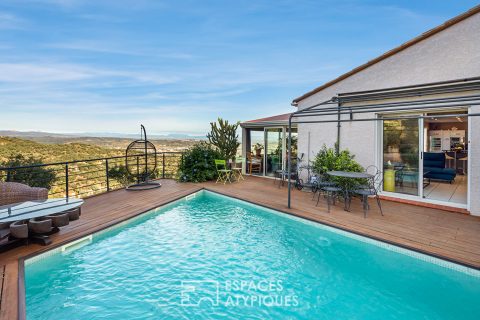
(434, 167)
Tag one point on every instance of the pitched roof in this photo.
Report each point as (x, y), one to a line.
(278, 120)
(390, 53)
(280, 117)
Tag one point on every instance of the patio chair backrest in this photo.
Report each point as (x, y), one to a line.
(377, 176)
(239, 160)
(220, 164)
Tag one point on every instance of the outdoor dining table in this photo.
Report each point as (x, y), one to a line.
(37, 208)
(349, 175)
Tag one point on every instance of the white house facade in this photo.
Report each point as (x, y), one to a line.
(448, 55)
(435, 158)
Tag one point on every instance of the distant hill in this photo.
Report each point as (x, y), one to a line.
(41, 134)
(10, 146)
(162, 143)
(59, 148)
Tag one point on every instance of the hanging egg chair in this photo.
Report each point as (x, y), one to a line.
(141, 163)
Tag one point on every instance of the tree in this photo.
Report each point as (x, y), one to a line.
(36, 176)
(224, 137)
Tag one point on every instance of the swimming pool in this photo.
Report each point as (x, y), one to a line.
(213, 257)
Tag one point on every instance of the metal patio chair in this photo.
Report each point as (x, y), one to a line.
(222, 171)
(318, 182)
(331, 192)
(370, 189)
(237, 170)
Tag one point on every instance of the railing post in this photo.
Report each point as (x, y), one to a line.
(106, 174)
(138, 168)
(8, 175)
(66, 179)
(163, 165)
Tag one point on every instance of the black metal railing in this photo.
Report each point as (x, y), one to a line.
(83, 178)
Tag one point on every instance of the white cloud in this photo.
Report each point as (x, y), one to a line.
(47, 73)
(10, 21)
(17, 72)
(106, 47)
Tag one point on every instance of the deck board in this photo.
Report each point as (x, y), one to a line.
(454, 236)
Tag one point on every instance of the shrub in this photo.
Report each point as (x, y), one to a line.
(327, 159)
(34, 177)
(198, 164)
(120, 174)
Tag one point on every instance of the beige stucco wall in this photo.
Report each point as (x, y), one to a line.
(451, 54)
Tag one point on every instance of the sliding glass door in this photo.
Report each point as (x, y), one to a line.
(267, 150)
(274, 144)
(401, 149)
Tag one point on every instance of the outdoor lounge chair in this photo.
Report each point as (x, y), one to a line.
(222, 171)
(14, 192)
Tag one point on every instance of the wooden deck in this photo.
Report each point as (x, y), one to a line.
(450, 235)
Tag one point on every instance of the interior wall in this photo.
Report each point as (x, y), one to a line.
(448, 125)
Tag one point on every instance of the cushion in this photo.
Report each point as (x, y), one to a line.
(445, 171)
(433, 164)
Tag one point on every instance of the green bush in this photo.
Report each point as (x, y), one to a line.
(34, 177)
(327, 159)
(120, 174)
(198, 164)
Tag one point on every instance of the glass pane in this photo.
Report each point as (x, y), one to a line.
(256, 152)
(294, 149)
(400, 156)
(274, 150)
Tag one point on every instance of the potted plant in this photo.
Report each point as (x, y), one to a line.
(258, 149)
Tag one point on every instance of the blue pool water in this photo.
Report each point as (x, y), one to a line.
(212, 257)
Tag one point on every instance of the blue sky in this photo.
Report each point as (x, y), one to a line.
(109, 65)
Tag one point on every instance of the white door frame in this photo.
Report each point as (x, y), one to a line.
(421, 145)
(469, 166)
(379, 164)
(265, 147)
(379, 160)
